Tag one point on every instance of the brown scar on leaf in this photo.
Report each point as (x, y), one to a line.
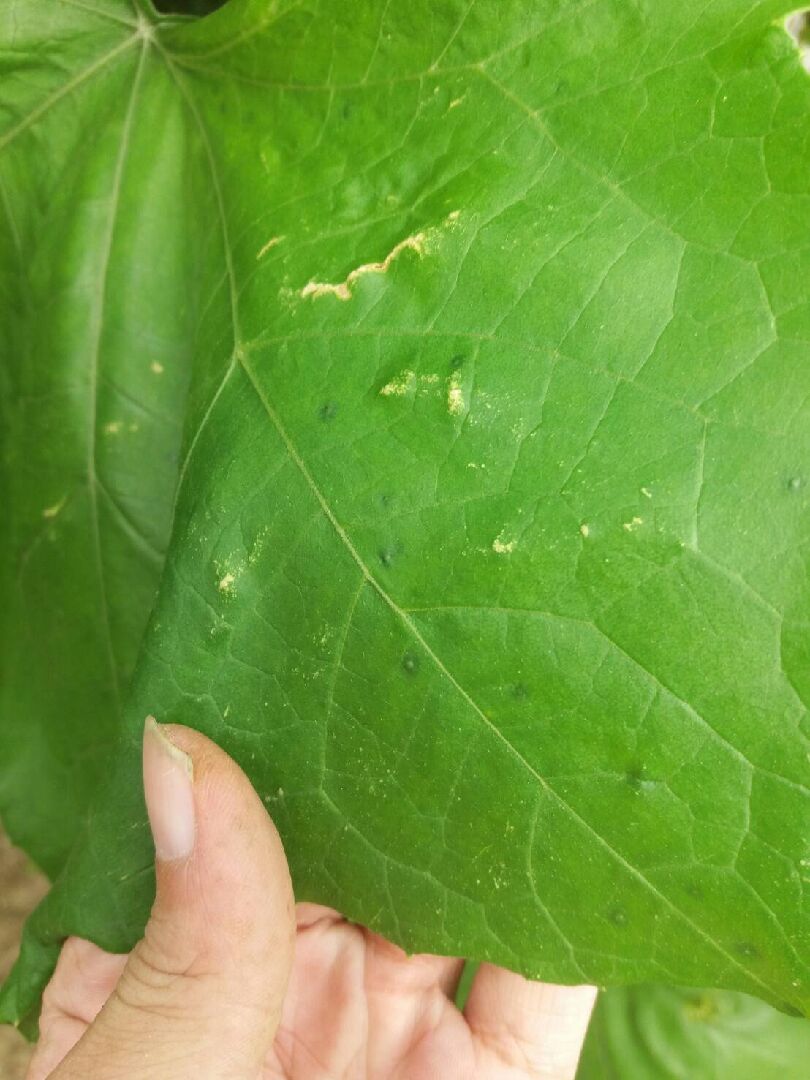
(343, 290)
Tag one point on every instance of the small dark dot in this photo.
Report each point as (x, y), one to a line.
(795, 483)
(387, 556)
(520, 691)
(694, 890)
(328, 411)
(745, 948)
(701, 1008)
(456, 362)
(347, 110)
(410, 663)
(618, 916)
(384, 499)
(634, 778)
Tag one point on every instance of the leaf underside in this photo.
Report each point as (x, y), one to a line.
(472, 341)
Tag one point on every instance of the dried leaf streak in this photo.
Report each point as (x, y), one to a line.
(271, 243)
(343, 290)
(56, 509)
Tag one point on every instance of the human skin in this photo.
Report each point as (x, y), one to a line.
(232, 981)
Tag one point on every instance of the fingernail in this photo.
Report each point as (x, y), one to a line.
(168, 776)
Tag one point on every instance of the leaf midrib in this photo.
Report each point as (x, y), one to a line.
(97, 333)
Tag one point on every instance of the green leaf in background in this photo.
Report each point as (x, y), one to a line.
(669, 1033)
(473, 337)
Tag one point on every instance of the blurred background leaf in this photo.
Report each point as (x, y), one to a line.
(672, 1033)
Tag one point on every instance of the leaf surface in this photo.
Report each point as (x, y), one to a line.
(475, 337)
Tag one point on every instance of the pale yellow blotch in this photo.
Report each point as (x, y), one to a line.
(288, 297)
(631, 525)
(645, 491)
(503, 547)
(454, 104)
(455, 396)
(271, 243)
(113, 427)
(258, 545)
(52, 511)
(228, 571)
(400, 385)
(156, 368)
(585, 529)
(343, 290)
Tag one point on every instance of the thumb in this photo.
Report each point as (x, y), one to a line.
(201, 993)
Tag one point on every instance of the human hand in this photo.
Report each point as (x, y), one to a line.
(232, 982)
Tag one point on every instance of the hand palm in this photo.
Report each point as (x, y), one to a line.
(357, 1007)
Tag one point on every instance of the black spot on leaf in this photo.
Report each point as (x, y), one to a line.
(634, 777)
(618, 916)
(328, 411)
(410, 663)
(746, 949)
(387, 556)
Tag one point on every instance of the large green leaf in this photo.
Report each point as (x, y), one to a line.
(664, 1033)
(476, 334)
